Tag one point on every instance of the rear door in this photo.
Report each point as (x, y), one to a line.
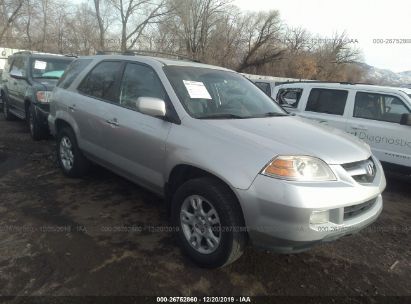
(375, 118)
(98, 90)
(136, 142)
(327, 106)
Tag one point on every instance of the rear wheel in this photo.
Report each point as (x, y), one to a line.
(6, 110)
(209, 222)
(69, 156)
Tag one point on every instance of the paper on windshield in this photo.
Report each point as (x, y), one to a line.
(40, 65)
(196, 89)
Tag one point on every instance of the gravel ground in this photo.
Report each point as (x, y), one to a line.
(61, 236)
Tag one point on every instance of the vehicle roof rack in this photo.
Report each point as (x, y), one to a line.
(148, 53)
(71, 55)
(42, 53)
(22, 52)
(319, 81)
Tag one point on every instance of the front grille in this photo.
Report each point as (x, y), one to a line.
(355, 210)
(362, 172)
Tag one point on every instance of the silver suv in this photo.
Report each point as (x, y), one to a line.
(232, 164)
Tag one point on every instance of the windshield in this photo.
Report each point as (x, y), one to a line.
(215, 94)
(51, 68)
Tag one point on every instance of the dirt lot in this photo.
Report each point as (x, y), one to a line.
(61, 236)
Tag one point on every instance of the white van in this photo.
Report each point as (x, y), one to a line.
(378, 115)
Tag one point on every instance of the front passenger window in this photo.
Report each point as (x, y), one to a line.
(139, 81)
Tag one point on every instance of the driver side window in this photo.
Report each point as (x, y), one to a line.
(379, 107)
(289, 97)
(18, 66)
(139, 81)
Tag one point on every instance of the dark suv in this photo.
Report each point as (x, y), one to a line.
(27, 81)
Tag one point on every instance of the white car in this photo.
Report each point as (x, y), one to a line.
(378, 115)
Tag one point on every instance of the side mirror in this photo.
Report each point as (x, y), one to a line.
(151, 106)
(17, 74)
(405, 119)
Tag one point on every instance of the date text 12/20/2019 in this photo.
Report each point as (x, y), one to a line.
(203, 299)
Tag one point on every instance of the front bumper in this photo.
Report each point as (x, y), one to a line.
(277, 213)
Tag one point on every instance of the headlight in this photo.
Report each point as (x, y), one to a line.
(299, 168)
(43, 96)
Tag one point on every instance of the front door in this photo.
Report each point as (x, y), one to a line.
(136, 141)
(376, 120)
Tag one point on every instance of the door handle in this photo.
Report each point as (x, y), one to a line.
(72, 107)
(113, 122)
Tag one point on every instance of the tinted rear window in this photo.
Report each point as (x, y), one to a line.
(73, 70)
(327, 101)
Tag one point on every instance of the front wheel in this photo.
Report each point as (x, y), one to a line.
(209, 222)
(37, 131)
(69, 156)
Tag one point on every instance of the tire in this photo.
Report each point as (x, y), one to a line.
(228, 240)
(37, 131)
(6, 111)
(69, 156)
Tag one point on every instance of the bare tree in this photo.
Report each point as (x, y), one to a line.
(263, 31)
(9, 11)
(194, 20)
(136, 16)
(103, 20)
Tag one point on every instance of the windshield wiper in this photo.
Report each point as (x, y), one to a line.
(222, 116)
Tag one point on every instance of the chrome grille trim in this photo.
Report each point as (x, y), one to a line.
(360, 171)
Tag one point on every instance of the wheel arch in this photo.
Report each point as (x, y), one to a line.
(182, 173)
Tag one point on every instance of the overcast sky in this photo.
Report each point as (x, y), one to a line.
(364, 20)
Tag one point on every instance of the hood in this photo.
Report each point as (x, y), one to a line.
(292, 135)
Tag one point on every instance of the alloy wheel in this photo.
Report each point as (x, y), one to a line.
(200, 224)
(66, 153)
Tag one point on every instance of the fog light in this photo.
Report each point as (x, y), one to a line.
(320, 217)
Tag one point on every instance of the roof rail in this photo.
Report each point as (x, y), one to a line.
(148, 53)
(319, 81)
(107, 52)
(22, 52)
(41, 53)
(71, 55)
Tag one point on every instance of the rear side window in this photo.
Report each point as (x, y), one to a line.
(102, 82)
(265, 87)
(289, 97)
(327, 101)
(379, 107)
(72, 71)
